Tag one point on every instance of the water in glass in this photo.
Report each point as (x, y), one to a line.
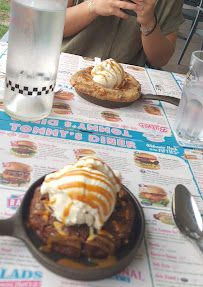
(35, 35)
(189, 115)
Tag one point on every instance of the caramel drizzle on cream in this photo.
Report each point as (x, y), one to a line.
(85, 173)
(77, 189)
(86, 198)
(89, 188)
(101, 74)
(52, 201)
(115, 67)
(87, 165)
(89, 199)
(99, 160)
(66, 212)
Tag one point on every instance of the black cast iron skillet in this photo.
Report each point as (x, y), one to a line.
(111, 104)
(17, 226)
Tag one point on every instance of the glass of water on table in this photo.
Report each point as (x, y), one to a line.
(189, 115)
(34, 44)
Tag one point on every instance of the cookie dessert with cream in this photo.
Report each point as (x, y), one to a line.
(82, 210)
(107, 81)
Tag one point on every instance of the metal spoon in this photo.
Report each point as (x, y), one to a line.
(187, 216)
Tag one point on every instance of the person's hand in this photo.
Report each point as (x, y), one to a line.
(145, 12)
(112, 7)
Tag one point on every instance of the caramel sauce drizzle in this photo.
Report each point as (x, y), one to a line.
(127, 214)
(96, 244)
(119, 227)
(119, 68)
(45, 218)
(65, 240)
(66, 211)
(88, 188)
(59, 226)
(99, 160)
(93, 175)
(105, 233)
(106, 240)
(88, 199)
(75, 242)
(115, 67)
(91, 237)
(45, 248)
(109, 197)
(43, 213)
(80, 171)
(109, 243)
(51, 201)
(90, 165)
(87, 76)
(101, 74)
(47, 207)
(99, 263)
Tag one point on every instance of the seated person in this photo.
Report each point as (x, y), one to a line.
(98, 28)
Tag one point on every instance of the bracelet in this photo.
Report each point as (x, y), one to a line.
(91, 6)
(149, 30)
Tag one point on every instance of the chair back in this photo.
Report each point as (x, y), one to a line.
(201, 6)
(193, 3)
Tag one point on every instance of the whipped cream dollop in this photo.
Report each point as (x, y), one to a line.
(109, 74)
(83, 193)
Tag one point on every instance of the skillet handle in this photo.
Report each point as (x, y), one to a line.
(7, 226)
(168, 99)
(11, 226)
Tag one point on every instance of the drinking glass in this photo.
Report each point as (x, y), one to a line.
(34, 44)
(189, 116)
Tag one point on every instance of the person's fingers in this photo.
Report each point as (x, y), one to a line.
(124, 5)
(139, 2)
(139, 8)
(112, 7)
(128, 5)
(145, 3)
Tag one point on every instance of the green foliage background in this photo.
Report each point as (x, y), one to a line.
(4, 16)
